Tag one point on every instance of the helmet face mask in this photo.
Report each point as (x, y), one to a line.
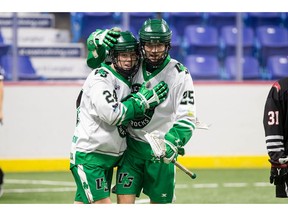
(125, 55)
(155, 41)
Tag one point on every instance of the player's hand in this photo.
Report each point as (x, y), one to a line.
(172, 145)
(278, 173)
(106, 38)
(152, 97)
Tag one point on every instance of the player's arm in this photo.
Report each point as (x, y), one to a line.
(273, 122)
(185, 123)
(98, 43)
(115, 112)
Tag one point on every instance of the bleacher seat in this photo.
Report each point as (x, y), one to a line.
(277, 67)
(83, 24)
(175, 51)
(26, 70)
(229, 38)
(203, 67)
(221, 19)
(137, 19)
(257, 19)
(180, 20)
(201, 40)
(272, 40)
(250, 68)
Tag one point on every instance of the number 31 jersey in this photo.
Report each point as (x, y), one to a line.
(275, 120)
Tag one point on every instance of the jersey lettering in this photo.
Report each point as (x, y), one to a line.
(101, 183)
(109, 97)
(188, 97)
(273, 118)
(125, 180)
(122, 130)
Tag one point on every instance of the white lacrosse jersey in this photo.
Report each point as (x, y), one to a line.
(99, 112)
(177, 109)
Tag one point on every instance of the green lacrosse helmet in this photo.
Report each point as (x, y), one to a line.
(126, 42)
(155, 31)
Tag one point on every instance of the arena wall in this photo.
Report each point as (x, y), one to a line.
(40, 118)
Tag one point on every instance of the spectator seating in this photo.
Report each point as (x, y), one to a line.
(277, 67)
(201, 40)
(229, 39)
(203, 67)
(250, 68)
(136, 19)
(175, 51)
(257, 19)
(180, 20)
(272, 40)
(83, 24)
(221, 19)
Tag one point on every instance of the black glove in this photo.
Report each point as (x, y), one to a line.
(279, 174)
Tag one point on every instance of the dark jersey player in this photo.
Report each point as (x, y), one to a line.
(276, 133)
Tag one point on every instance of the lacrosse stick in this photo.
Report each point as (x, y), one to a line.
(202, 125)
(159, 148)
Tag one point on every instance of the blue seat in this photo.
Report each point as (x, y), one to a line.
(203, 67)
(277, 67)
(83, 24)
(250, 68)
(229, 36)
(272, 40)
(137, 19)
(257, 19)
(26, 70)
(201, 40)
(180, 20)
(221, 19)
(175, 51)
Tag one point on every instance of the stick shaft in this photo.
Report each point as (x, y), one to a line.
(185, 170)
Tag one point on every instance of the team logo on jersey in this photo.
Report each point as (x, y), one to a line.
(143, 121)
(122, 130)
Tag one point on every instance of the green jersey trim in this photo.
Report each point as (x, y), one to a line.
(117, 74)
(157, 71)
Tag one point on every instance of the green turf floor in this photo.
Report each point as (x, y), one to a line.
(212, 186)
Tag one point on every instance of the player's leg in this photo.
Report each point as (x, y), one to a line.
(129, 179)
(159, 182)
(92, 186)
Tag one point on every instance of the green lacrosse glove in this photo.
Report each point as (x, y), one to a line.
(106, 38)
(173, 148)
(152, 97)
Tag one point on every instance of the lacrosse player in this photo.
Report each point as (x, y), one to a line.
(276, 132)
(174, 120)
(102, 116)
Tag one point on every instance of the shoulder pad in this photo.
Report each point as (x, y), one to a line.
(181, 68)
